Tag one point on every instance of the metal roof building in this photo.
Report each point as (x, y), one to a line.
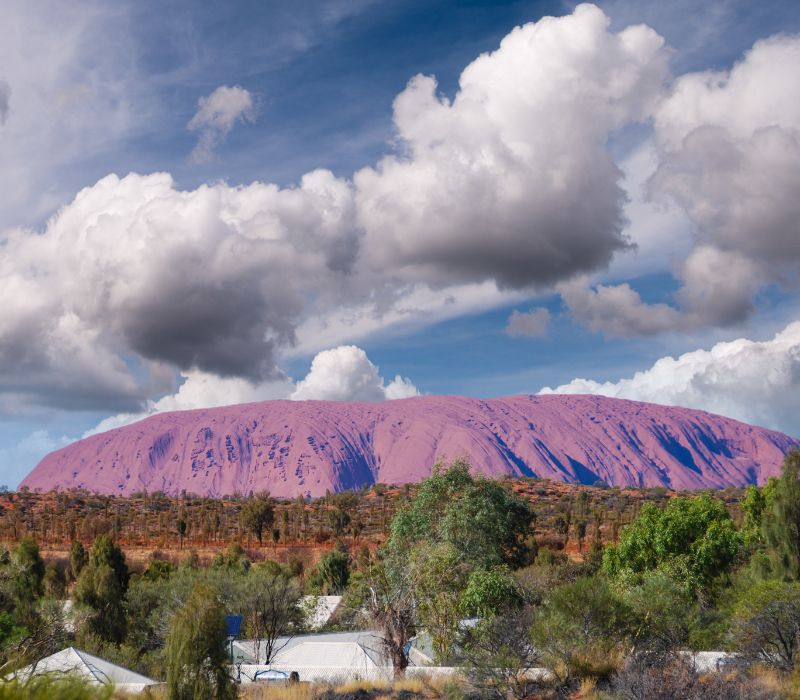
(97, 671)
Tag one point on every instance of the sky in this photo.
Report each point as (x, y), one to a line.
(213, 203)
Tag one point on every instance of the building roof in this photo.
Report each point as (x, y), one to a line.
(334, 648)
(91, 668)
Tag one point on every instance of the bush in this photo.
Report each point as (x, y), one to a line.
(53, 688)
(584, 629)
(678, 679)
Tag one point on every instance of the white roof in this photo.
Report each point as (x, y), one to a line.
(340, 649)
(319, 609)
(93, 669)
(708, 661)
(326, 655)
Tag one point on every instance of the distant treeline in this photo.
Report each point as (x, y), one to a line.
(569, 516)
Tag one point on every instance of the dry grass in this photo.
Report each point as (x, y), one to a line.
(423, 687)
(277, 691)
(588, 689)
(785, 685)
(415, 685)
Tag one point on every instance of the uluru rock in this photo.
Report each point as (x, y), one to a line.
(306, 448)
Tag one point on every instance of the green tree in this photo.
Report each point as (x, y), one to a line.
(196, 650)
(338, 519)
(333, 572)
(662, 616)
(781, 519)
(258, 514)
(269, 606)
(499, 655)
(753, 504)
(181, 530)
(55, 581)
(481, 518)
(488, 591)
(694, 540)
(77, 559)
(101, 586)
(25, 581)
(454, 524)
(438, 574)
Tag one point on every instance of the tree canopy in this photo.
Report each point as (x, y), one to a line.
(481, 518)
(694, 540)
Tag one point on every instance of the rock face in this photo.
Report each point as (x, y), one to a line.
(308, 447)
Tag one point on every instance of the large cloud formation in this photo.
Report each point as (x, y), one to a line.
(729, 155)
(511, 180)
(211, 279)
(756, 382)
(510, 183)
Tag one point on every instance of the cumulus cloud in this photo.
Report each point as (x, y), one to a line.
(531, 324)
(510, 184)
(203, 390)
(753, 381)
(216, 115)
(617, 309)
(210, 280)
(727, 149)
(511, 180)
(344, 373)
(5, 101)
(730, 157)
(347, 374)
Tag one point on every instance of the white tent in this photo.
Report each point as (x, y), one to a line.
(90, 668)
(337, 656)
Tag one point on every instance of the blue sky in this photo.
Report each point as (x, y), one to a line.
(333, 288)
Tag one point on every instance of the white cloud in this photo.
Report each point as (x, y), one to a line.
(727, 154)
(511, 180)
(343, 373)
(212, 280)
(532, 324)
(753, 381)
(346, 374)
(406, 310)
(730, 157)
(617, 310)
(760, 91)
(202, 390)
(506, 188)
(134, 277)
(216, 115)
